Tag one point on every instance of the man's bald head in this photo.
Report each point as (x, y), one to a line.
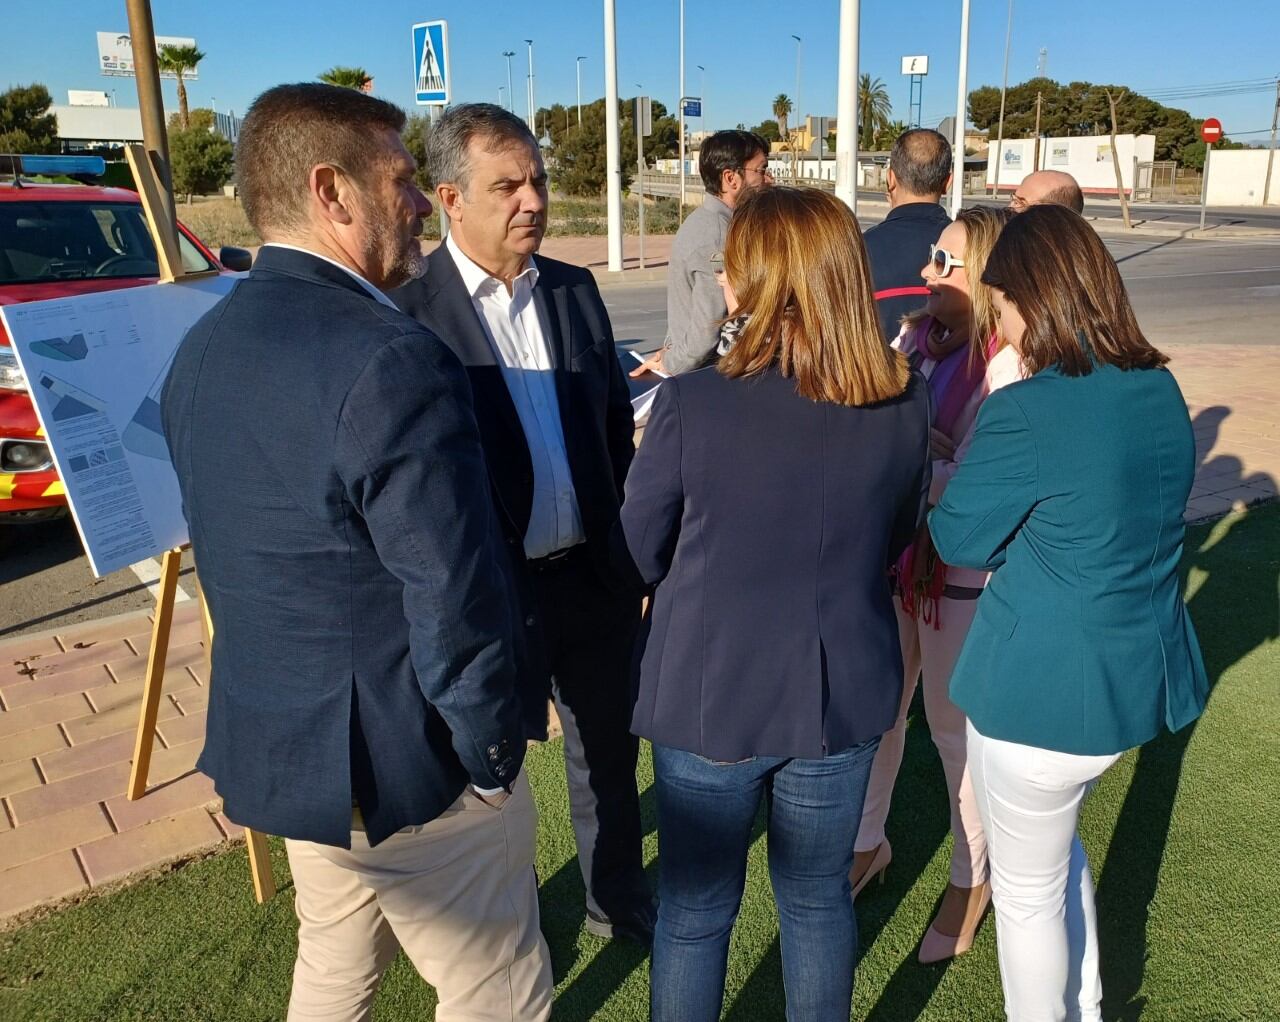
(1055, 187)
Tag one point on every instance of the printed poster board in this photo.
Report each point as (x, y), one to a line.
(95, 365)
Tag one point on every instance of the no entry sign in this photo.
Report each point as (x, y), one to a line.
(1211, 130)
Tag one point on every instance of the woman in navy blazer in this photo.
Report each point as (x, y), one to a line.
(767, 501)
(1073, 494)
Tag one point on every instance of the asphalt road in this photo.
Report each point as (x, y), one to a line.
(1206, 292)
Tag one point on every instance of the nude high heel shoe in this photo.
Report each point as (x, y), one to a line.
(938, 946)
(879, 863)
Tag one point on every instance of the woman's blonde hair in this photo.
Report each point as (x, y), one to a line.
(796, 260)
(982, 227)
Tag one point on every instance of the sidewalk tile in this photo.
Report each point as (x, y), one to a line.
(82, 656)
(81, 759)
(168, 800)
(129, 668)
(19, 775)
(31, 743)
(129, 691)
(171, 764)
(40, 688)
(233, 830)
(33, 883)
(15, 672)
(48, 711)
(183, 729)
(110, 722)
(59, 796)
(193, 700)
(110, 858)
(24, 647)
(53, 834)
(104, 631)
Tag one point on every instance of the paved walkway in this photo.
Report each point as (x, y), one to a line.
(69, 700)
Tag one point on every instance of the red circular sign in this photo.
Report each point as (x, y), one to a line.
(1211, 130)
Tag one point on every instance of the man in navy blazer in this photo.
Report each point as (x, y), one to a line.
(362, 701)
(557, 424)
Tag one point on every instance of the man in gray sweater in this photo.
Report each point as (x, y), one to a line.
(729, 162)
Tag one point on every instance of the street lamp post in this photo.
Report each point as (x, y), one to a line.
(795, 164)
(532, 121)
(681, 105)
(847, 107)
(579, 65)
(962, 95)
(702, 95)
(1004, 87)
(501, 101)
(511, 96)
(612, 135)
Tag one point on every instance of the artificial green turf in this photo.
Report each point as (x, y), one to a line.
(1184, 836)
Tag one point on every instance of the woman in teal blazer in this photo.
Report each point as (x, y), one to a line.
(1072, 494)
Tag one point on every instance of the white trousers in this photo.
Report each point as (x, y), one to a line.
(458, 894)
(931, 653)
(1046, 923)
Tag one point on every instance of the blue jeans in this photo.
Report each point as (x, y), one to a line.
(705, 814)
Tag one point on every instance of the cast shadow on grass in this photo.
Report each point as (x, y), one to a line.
(563, 910)
(1130, 875)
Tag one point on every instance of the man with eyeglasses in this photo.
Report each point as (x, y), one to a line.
(730, 162)
(1055, 187)
(919, 174)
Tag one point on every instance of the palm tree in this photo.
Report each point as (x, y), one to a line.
(347, 78)
(781, 107)
(178, 60)
(873, 108)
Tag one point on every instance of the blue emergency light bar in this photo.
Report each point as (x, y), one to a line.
(53, 166)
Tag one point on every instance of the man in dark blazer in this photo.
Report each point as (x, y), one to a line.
(898, 246)
(556, 422)
(363, 701)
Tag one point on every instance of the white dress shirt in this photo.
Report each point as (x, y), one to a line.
(516, 334)
(377, 295)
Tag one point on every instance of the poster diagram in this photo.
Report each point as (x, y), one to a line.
(95, 365)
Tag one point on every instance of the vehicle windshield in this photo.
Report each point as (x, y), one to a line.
(49, 241)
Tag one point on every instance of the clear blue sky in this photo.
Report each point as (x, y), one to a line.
(746, 48)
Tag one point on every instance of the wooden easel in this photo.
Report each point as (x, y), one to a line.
(152, 192)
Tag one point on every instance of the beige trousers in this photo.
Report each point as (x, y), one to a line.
(458, 894)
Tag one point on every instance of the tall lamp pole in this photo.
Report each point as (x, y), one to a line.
(962, 96)
(795, 163)
(681, 104)
(511, 96)
(702, 95)
(532, 124)
(847, 107)
(579, 66)
(612, 135)
(1004, 86)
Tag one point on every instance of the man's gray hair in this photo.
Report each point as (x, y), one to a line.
(921, 161)
(449, 140)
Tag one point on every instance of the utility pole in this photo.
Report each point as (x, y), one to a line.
(680, 218)
(962, 98)
(702, 96)
(797, 134)
(511, 96)
(1035, 160)
(533, 124)
(847, 107)
(612, 135)
(1271, 154)
(1004, 87)
(580, 60)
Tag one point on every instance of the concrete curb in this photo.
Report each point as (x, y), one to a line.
(646, 276)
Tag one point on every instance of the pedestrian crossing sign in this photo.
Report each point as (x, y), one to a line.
(431, 63)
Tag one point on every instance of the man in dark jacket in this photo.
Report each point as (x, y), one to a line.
(362, 703)
(556, 422)
(898, 247)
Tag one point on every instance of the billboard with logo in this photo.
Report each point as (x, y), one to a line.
(115, 54)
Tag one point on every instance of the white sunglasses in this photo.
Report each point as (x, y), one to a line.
(942, 260)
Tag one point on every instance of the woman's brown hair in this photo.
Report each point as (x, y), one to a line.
(1053, 266)
(796, 260)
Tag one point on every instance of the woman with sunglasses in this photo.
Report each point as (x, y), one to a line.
(953, 342)
(766, 503)
(1072, 495)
